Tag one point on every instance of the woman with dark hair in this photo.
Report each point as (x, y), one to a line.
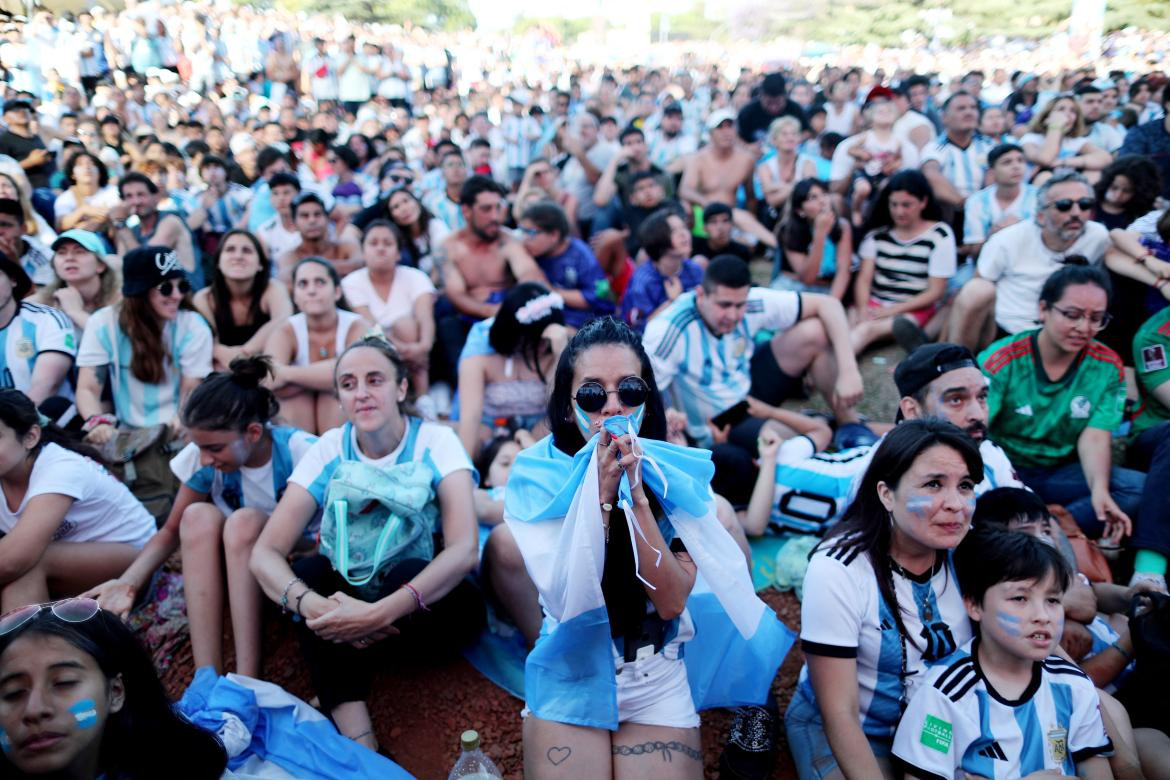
(88, 197)
(880, 600)
(907, 256)
(614, 524)
(530, 325)
(304, 348)
(420, 604)
(425, 233)
(363, 147)
(818, 244)
(232, 473)
(244, 303)
(152, 348)
(1128, 188)
(79, 698)
(14, 185)
(65, 522)
(1073, 390)
(400, 299)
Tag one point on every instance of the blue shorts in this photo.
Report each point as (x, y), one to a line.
(808, 743)
(963, 274)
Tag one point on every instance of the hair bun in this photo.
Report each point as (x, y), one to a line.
(248, 371)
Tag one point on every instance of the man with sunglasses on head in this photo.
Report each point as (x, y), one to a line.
(704, 353)
(1002, 299)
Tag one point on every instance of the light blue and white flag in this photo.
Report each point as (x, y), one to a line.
(552, 507)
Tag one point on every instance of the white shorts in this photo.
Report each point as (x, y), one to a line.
(653, 692)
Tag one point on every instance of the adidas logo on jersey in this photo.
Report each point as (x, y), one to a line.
(1025, 410)
(993, 751)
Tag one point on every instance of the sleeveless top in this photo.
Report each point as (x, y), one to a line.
(232, 334)
(523, 398)
(300, 328)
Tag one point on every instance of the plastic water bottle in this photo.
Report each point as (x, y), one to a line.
(473, 764)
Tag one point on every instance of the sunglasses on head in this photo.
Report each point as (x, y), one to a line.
(1066, 204)
(75, 610)
(399, 178)
(631, 391)
(168, 287)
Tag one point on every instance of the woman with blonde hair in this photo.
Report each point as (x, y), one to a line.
(1058, 137)
(83, 281)
(780, 172)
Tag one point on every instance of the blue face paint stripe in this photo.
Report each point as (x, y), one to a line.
(85, 711)
(919, 505)
(1010, 624)
(5, 743)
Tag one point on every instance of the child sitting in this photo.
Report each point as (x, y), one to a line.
(1004, 705)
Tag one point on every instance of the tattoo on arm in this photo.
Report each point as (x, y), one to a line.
(666, 748)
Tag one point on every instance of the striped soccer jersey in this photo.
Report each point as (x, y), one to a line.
(956, 722)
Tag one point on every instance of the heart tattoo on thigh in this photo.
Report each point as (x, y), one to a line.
(558, 755)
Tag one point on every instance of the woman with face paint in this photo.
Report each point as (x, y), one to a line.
(613, 523)
(233, 472)
(414, 607)
(79, 699)
(881, 602)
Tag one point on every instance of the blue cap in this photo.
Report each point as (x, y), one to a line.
(89, 240)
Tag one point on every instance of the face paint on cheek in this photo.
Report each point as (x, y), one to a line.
(85, 712)
(969, 506)
(5, 743)
(1009, 624)
(583, 422)
(919, 505)
(239, 450)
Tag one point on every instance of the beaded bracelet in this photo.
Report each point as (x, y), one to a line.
(284, 594)
(417, 597)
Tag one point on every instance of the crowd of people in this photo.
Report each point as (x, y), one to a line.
(412, 348)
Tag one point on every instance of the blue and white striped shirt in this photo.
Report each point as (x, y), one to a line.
(966, 169)
(982, 211)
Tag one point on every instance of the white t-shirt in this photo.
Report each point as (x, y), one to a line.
(911, 121)
(34, 329)
(1017, 261)
(1069, 147)
(409, 284)
(66, 203)
(842, 165)
(103, 509)
(277, 239)
(574, 180)
(353, 83)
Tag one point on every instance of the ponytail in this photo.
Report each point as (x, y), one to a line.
(19, 413)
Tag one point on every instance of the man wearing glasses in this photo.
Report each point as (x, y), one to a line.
(1015, 262)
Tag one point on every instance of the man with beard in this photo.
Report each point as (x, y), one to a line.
(1014, 262)
(479, 264)
(944, 381)
(137, 221)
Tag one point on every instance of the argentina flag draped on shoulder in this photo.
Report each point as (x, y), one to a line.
(553, 510)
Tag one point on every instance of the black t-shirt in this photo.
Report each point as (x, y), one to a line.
(702, 246)
(18, 147)
(753, 121)
(236, 175)
(631, 218)
(380, 210)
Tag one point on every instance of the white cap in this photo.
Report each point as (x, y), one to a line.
(719, 117)
(241, 142)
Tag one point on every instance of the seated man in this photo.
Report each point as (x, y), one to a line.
(717, 219)
(1014, 263)
(1009, 199)
(33, 256)
(704, 354)
(137, 221)
(669, 273)
(312, 222)
(569, 264)
(38, 341)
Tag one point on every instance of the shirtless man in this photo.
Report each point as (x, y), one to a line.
(715, 173)
(478, 264)
(312, 222)
(281, 69)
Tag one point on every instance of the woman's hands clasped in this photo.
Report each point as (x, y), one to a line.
(615, 457)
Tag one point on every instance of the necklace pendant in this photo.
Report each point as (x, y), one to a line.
(927, 612)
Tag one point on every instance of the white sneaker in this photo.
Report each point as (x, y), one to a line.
(1157, 580)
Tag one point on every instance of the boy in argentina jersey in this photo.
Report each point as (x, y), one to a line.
(1004, 706)
(37, 343)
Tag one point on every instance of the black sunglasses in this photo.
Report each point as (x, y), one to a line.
(1066, 204)
(632, 391)
(399, 179)
(166, 288)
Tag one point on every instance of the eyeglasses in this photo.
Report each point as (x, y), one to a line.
(1066, 204)
(631, 391)
(1076, 317)
(75, 610)
(167, 288)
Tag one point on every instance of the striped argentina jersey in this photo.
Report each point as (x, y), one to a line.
(844, 616)
(902, 269)
(956, 722)
(188, 343)
(448, 211)
(965, 169)
(982, 211)
(812, 488)
(33, 329)
(704, 373)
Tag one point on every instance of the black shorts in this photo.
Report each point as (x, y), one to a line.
(769, 382)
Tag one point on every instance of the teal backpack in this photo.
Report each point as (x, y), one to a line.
(376, 517)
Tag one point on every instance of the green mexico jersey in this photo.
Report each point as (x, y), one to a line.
(1151, 359)
(1037, 421)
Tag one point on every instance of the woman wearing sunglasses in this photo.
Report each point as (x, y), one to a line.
(80, 699)
(153, 348)
(613, 523)
(510, 382)
(232, 473)
(1056, 395)
(65, 522)
(423, 608)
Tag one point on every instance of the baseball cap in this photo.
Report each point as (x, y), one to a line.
(21, 283)
(17, 105)
(672, 108)
(149, 266)
(85, 238)
(878, 93)
(241, 142)
(719, 117)
(928, 363)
